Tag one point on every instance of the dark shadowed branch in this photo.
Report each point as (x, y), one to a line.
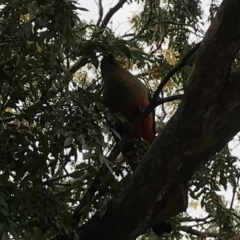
(100, 10)
(168, 99)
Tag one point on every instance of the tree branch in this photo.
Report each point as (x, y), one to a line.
(100, 8)
(237, 237)
(190, 219)
(234, 193)
(168, 99)
(111, 12)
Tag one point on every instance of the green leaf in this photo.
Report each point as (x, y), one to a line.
(77, 174)
(83, 9)
(124, 50)
(68, 142)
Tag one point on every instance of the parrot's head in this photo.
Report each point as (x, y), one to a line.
(109, 64)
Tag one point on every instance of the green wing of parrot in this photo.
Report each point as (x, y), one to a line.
(125, 94)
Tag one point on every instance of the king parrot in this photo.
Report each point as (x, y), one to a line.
(125, 94)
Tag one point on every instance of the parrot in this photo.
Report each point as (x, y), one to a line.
(125, 94)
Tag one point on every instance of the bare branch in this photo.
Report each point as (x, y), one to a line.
(190, 219)
(234, 193)
(237, 237)
(100, 9)
(168, 99)
(78, 64)
(172, 72)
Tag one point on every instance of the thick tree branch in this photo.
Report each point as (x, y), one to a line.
(78, 64)
(237, 237)
(236, 184)
(206, 120)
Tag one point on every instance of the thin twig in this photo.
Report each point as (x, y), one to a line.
(55, 179)
(234, 193)
(168, 99)
(100, 9)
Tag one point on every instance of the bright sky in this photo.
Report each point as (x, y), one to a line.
(120, 19)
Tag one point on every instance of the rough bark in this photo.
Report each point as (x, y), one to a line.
(207, 118)
(237, 237)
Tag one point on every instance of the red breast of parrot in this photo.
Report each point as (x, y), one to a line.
(125, 94)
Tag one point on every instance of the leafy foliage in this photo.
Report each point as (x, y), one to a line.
(56, 135)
